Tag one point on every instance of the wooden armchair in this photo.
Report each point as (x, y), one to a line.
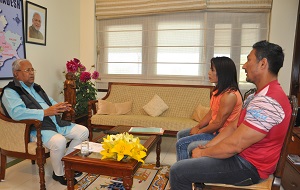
(15, 142)
(251, 91)
(273, 182)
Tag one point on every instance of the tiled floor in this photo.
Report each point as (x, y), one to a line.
(24, 175)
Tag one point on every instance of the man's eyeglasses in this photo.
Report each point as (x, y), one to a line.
(28, 70)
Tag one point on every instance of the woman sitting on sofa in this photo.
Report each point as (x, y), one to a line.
(225, 107)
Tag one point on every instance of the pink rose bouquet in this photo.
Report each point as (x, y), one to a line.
(85, 88)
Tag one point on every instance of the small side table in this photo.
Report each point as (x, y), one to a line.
(291, 175)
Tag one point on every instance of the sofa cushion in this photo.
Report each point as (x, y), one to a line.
(167, 123)
(110, 108)
(123, 108)
(155, 107)
(200, 112)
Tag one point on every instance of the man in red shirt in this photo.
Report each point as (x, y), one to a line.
(247, 152)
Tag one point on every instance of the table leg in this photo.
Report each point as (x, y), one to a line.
(70, 176)
(158, 151)
(127, 182)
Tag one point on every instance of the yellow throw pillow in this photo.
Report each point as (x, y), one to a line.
(110, 108)
(123, 108)
(156, 106)
(200, 112)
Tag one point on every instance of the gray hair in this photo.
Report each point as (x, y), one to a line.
(16, 64)
(35, 13)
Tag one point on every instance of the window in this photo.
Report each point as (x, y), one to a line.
(175, 48)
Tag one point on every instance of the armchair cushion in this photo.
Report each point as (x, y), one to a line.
(12, 136)
(32, 148)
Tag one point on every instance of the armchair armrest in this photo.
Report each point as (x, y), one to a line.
(92, 109)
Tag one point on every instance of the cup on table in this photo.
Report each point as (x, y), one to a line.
(85, 148)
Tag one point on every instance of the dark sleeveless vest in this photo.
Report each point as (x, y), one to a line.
(31, 103)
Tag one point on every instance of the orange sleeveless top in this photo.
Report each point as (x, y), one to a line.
(215, 105)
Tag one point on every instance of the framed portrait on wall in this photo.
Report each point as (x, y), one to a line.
(36, 23)
(12, 38)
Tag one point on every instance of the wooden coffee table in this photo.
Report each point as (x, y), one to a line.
(93, 163)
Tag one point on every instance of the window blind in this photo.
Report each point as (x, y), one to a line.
(107, 9)
(172, 41)
(175, 48)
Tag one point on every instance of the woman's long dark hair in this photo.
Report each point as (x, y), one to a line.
(227, 76)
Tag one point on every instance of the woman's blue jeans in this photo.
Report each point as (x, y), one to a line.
(234, 170)
(186, 142)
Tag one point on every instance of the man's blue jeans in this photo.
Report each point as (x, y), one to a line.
(234, 170)
(186, 142)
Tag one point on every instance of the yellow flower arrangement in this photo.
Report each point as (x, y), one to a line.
(121, 146)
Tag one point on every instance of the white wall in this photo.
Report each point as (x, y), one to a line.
(88, 38)
(62, 44)
(282, 32)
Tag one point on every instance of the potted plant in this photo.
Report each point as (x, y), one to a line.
(84, 86)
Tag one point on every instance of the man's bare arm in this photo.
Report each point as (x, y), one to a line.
(242, 138)
(226, 132)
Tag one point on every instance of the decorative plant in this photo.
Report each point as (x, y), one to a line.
(85, 88)
(123, 146)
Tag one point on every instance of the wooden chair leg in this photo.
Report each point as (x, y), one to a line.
(41, 162)
(3, 166)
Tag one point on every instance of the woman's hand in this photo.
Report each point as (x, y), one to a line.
(194, 130)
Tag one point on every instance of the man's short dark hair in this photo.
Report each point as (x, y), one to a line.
(272, 52)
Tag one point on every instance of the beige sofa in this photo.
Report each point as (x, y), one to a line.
(181, 100)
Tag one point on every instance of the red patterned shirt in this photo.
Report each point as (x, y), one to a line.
(269, 112)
